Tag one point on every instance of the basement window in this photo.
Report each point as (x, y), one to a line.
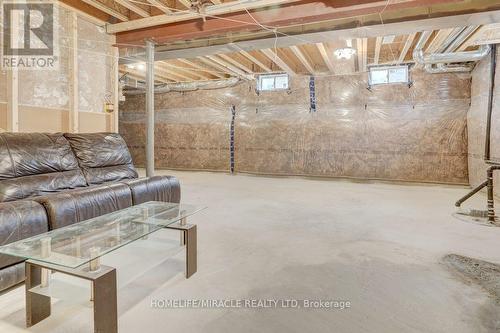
(273, 82)
(388, 75)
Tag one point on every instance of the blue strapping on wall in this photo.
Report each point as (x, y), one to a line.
(231, 145)
(312, 94)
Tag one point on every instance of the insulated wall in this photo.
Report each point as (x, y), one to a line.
(393, 132)
(44, 100)
(476, 123)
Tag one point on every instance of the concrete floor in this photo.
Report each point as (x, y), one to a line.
(377, 245)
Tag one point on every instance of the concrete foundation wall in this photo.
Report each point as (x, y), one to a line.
(393, 132)
(476, 123)
(44, 95)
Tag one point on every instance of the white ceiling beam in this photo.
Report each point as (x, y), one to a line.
(276, 59)
(406, 47)
(161, 6)
(378, 46)
(133, 7)
(230, 67)
(216, 2)
(236, 63)
(107, 10)
(201, 68)
(221, 9)
(300, 55)
(255, 61)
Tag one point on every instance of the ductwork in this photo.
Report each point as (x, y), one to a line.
(442, 68)
(442, 59)
(189, 86)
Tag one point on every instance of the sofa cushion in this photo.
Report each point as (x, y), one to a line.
(11, 276)
(19, 220)
(33, 164)
(103, 157)
(157, 188)
(74, 206)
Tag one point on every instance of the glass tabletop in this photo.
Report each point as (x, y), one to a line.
(79, 243)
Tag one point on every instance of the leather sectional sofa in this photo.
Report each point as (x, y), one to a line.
(48, 181)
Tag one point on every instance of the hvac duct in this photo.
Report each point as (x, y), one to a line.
(442, 68)
(449, 56)
(188, 86)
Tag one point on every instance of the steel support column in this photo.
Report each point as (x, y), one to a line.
(150, 108)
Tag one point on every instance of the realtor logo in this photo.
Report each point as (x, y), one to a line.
(29, 35)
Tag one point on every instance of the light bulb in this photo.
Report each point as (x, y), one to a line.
(344, 53)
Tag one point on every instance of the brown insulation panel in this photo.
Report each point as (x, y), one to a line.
(392, 132)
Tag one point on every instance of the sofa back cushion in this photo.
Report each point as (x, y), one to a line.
(103, 157)
(33, 164)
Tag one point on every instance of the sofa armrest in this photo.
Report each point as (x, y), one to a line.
(19, 220)
(157, 188)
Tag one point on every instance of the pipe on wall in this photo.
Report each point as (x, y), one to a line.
(442, 60)
(493, 66)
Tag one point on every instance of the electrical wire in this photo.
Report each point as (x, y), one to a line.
(274, 30)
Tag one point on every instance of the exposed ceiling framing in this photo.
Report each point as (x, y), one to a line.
(306, 59)
(243, 39)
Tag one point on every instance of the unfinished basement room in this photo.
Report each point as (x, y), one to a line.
(211, 166)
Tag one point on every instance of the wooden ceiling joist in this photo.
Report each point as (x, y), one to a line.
(201, 68)
(108, 10)
(236, 63)
(186, 3)
(438, 39)
(133, 7)
(221, 9)
(378, 46)
(171, 74)
(278, 61)
(326, 58)
(298, 53)
(359, 53)
(185, 71)
(406, 47)
(365, 53)
(161, 6)
(230, 67)
(255, 61)
(216, 66)
(138, 75)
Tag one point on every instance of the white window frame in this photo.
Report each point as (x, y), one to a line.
(387, 69)
(274, 75)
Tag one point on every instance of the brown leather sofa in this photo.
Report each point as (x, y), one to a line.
(48, 181)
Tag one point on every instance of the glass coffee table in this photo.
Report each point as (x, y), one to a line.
(76, 250)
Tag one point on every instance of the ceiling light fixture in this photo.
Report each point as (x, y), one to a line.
(344, 53)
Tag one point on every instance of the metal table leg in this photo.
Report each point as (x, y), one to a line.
(189, 235)
(103, 280)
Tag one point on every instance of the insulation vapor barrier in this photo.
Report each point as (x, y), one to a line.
(392, 132)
